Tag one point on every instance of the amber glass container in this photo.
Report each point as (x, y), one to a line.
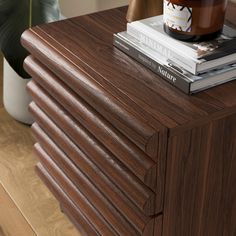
(194, 20)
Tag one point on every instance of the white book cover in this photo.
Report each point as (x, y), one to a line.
(154, 26)
(195, 57)
(166, 61)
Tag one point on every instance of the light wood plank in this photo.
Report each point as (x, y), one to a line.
(11, 219)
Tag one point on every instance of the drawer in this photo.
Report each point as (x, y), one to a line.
(73, 212)
(93, 205)
(122, 121)
(141, 166)
(85, 150)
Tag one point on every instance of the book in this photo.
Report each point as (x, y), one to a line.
(195, 57)
(170, 71)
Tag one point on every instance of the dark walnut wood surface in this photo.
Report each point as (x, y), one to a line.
(82, 47)
(123, 151)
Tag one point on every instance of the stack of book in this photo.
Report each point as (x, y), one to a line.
(190, 66)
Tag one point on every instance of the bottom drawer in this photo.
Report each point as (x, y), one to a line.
(69, 208)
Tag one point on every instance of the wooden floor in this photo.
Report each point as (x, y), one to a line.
(11, 219)
(26, 206)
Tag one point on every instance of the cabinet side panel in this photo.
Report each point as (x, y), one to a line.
(201, 179)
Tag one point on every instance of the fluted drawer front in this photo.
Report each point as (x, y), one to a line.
(94, 127)
(115, 178)
(74, 213)
(109, 220)
(127, 120)
(125, 150)
(78, 145)
(88, 171)
(145, 169)
(70, 99)
(80, 139)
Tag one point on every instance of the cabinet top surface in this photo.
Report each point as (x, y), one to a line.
(86, 42)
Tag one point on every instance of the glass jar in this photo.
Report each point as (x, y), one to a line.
(194, 20)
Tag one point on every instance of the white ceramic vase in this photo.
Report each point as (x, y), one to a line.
(15, 97)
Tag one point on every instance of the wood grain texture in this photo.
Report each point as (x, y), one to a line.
(11, 219)
(75, 173)
(112, 223)
(158, 225)
(105, 185)
(136, 191)
(82, 223)
(138, 162)
(132, 125)
(103, 198)
(74, 193)
(94, 102)
(86, 41)
(19, 179)
(200, 188)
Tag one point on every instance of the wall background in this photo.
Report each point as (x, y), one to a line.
(72, 8)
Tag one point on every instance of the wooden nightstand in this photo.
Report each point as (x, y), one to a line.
(123, 151)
